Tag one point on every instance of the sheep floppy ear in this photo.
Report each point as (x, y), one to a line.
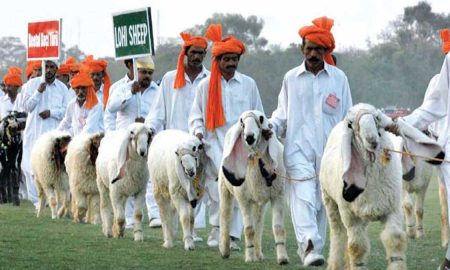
(235, 156)
(354, 171)
(122, 156)
(418, 143)
(186, 184)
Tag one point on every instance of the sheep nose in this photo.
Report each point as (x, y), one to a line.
(374, 144)
(250, 139)
(142, 153)
(190, 173)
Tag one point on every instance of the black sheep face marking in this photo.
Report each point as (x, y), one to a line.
(231, 178)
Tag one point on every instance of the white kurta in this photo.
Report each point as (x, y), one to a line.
(309, 106)
(6, 106)
(109, 117)
(81, 120)
(99, 93)
(55, 99)
(172, 106)
(125, 104)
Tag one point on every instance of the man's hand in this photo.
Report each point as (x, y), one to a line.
(42, 87)
(45, 114)
(393, 129)
(139, 120)
(134, 88)
(199, 136)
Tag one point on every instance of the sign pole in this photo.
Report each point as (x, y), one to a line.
(138, 95)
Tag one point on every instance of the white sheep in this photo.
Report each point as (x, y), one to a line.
(175, 162)
(80, 165)
(47, 163)
(248, 173)
(122, 172)
(362, 183)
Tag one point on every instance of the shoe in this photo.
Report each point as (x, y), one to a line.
(234, 246)
(155, 223)
(196, 237)
(313, 259)
(213, 238)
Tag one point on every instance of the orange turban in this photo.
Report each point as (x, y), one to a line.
(99, 66)
(445, 36)
(83, 79)
(31, 65)
(320, 33)
(13, 77)
(63, 69)
(215, 116)
(189, 40)
(71, 62)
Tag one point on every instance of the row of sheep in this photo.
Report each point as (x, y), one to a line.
(360, 181)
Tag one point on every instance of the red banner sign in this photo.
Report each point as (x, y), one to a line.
(44, 40)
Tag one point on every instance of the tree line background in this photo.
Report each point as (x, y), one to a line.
(394, 70)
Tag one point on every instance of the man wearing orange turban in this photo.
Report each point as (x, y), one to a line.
(220, 100)
(45, 100)
(13, 82)
(314, 97)
(100, 76)
(173, 103)
(84, 113)
(436, 106)
(34, 69)
(63, 74)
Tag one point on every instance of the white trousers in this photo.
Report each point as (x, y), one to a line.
(152, 206)
(444, 175)
(308, 213)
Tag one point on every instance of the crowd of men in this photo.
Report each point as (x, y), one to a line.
(314, 97)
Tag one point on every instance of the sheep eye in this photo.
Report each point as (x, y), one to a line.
(261, 119)
(193, 148)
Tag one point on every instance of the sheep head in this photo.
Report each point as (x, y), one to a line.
(190, 155)
(10, 127)
(59, 150)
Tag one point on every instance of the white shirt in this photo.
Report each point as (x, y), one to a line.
(239, 94)
(309, 106)
(172, 106)
(109, 117)
(99, 93)
(81, 120)
(6, 106)
(125, 104)
(435, 104)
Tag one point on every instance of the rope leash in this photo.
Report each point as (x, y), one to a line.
(414, 155)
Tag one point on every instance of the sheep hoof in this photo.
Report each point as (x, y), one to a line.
(167, 244)
(225, 254)
(189, 245)
(283, 260)
(260, 257)
(420, 234)
(444, 243)
(397, 265)
(410, 231)
(138, 237)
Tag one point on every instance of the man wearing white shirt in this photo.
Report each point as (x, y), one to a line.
(12, 82)
(219, 101)
(132, 102)
(84, 113)
(109, 117)
(173, 104)
(45, 102)
(100, 76)
(314, 97)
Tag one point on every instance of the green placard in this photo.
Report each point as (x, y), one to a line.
(133, 34)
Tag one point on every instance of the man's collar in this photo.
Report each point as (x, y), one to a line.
(237, 77)
(203, 73)
(302, 68)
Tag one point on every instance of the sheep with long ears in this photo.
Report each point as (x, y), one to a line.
(122, 172)
(361, 183)
(175, 162)
(249, 173)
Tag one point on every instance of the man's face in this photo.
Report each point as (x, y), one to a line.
(37, 72)
(81, 91)
(145, 77)
(63, 78)
(195, 56)
(313, 53)
(50, 70)
(229, 63)
(97, 77)
(11, 90)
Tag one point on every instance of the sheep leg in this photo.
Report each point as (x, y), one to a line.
(408, 209)
(42, 198)
(164, 205)
(258, 214)
(184, 212)
(279, 232)
(338, 237)
(249, 230)
(50, 193)
(226, 206)
(118, 204)
(80, 206)
(63, 197)
(420, 197)
(358, 244)
(94, 209)
(139, 202)
(444, 216)
(394, 241)
(105, 209)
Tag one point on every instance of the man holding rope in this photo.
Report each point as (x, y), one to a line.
(314, 97)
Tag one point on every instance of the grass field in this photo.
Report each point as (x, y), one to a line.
(30, 243)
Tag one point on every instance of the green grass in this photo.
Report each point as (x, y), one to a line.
(30, 243)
